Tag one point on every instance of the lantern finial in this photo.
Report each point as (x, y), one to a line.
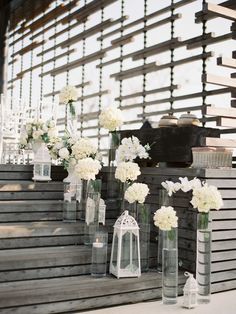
(190, 291)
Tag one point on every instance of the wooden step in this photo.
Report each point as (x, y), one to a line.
(29, 186)
(30, 210)
(63, 295)
(36, 234)
(25, 172)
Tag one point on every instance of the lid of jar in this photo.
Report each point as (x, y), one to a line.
(188, 119)
(168, 120)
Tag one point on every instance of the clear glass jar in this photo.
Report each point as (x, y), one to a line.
(99, 254)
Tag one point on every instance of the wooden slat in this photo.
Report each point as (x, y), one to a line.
(87, 33)
(148, 92)
(149, 27)
(74, 64)
(200, 16)
(218, 142)
(46, 62)
(219, 11)
(218, 80)
(77, 86)
(147, 17)
(28, 48)
(209, 41)
(219, 111)
(166, 111)
(97, 94)
(87, 10)
(226, 62)
(226, 122)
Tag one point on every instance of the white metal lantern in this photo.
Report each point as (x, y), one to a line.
(125, 253)
(42, 164)
(190, 291)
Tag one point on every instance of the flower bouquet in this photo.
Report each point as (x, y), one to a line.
(68, 96)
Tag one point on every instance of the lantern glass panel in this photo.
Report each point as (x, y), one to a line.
(129, 251)
(115, 251)
(37, 169)
(46, 171)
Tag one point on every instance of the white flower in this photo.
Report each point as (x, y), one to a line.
(130, 149)
(187, 185)
(111, 118)
(52, 133)
(171, 187)
(127, 171)
(59, 144)
(37, 134)
(137, 192)
(23, 141)
(206, 198)
(87, 168)
(67, 94)
(84, 148)
(165, 218)
(64, 153)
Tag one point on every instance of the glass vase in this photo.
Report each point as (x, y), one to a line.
(164, 200)
(141, 213)
(203, 263)
(82, 195)
(123, 204)
(70, 202)
(114, 138)
(170, 266)
(91, 217)
(99, 254)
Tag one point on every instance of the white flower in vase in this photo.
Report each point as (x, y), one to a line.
(111, 118)
(68, 93)
(171, 187)
(87, 168)
(130, 149)
(137, 192)
(165, 218)
(84, 148)
(205, 198)
(188, 185)
(64, 153)
(127, 171)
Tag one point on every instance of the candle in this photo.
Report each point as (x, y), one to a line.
(98, 244)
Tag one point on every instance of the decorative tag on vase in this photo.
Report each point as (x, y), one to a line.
(90, 211)
(102, 212)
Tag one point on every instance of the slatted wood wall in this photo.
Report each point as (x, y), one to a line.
(115, 54)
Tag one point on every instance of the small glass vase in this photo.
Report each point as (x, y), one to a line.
(170, 266)
(203, 263)
(70, 202)
(164, 200)
(99, 254)
(141, 213)
(91, 217)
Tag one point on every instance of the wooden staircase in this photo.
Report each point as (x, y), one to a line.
(44, 268)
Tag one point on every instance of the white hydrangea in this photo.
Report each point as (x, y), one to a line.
(64, 153)
(67, 94)
(111, 118)
(37, 134)
(206, 198)
(127, 171)
(165, 218)
(171, 187)
(137, 192)
(84, 148)
(87, 168)
(130, 149)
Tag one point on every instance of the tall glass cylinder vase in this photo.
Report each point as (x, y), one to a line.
(170, 266)
(70, 118)
(123, 204)
(91, 217)
(141, 213)
(111, 182)
(203, 263)
(70, 202)
(164, 200)
(82, 195)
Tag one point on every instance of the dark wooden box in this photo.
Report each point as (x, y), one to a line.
(172, 145)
